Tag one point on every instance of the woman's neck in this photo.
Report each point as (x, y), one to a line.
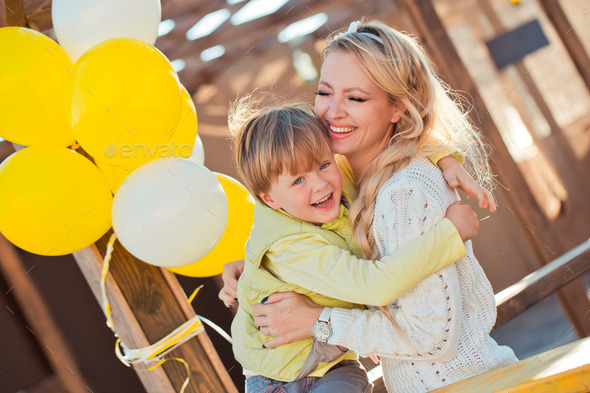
(360, 161)
(358, 164)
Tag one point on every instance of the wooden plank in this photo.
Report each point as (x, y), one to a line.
(12, 13)
(567, 34)
(523, 204)
(89, 261)
(565, 369)
(148, 308)
(542, 283)
(41, 322)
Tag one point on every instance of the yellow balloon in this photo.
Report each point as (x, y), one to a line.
(114, 175)
(54, 201)
(126, 102)
(231, 246)
(184, 134)
(36, 81)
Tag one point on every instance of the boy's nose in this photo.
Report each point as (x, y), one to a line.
(320, 184)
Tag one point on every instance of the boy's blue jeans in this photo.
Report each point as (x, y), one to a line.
(345, 377)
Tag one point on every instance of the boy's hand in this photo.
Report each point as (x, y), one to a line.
(287, 316)
(464, 219)
(457, 176)
(231, 273)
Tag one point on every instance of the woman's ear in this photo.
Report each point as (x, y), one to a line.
(266, 198)
(398, 109)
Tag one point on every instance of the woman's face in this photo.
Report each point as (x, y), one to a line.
(357, 112)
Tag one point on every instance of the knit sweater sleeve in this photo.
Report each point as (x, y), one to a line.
(427, 318)
(308, 261)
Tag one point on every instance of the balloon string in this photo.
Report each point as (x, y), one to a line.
(155, 352)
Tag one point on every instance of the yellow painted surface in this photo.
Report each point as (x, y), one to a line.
(564, 369)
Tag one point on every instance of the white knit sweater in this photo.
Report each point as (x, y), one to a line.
(446, 319)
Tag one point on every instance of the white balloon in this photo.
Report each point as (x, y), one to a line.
(170, 212)
(81, 24)
(198, 153)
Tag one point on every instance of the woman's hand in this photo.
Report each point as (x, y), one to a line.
(464, 219)
(287, 316)
(457, 177)
(231, 273)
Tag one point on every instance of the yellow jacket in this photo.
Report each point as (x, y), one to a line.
(287, 254)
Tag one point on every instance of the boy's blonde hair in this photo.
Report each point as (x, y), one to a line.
(269, 141)
(431, 117)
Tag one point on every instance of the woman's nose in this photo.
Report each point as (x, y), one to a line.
(336, 109)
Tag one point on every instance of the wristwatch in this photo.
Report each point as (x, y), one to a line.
(322, 330)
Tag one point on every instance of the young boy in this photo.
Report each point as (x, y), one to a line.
(301, 236)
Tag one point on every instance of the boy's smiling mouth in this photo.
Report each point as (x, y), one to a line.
(325, 202)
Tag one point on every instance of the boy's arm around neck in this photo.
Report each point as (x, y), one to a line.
(309, 261)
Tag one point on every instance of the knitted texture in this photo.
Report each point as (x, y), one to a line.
(446, 319)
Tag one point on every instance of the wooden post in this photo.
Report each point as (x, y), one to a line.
(535, 225)
(567, 34)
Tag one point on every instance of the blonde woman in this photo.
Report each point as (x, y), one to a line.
(385, 109)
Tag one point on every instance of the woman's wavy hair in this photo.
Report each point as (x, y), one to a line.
(433, 117)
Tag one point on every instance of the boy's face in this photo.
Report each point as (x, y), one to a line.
(312, 196)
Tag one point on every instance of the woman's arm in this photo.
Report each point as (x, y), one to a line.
(428, 316)
(427, 319)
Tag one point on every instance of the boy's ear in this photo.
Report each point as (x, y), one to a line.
(269, 201)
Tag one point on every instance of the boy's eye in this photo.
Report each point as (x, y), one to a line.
(324, 165)
(298, 181)
(356, 99)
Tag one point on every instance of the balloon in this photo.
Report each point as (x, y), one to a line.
(231, 246)
(170, 212)
(54, 201)
(198, 153)
(183, 135)
(114, 175)
(126, 102)
(36, 81)
(81, 24)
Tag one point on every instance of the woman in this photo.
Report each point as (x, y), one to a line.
(382, 105)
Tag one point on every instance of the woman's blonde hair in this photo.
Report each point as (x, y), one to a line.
(285, 136)
(432, 116)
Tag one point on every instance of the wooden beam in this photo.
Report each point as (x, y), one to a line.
(555, 145)
(46, 332)
(567, 34)
(198, 72)
(540, 284)
(535, 224)
(145, 309)
(12, 13)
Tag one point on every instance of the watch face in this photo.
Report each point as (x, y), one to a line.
(322, 331)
